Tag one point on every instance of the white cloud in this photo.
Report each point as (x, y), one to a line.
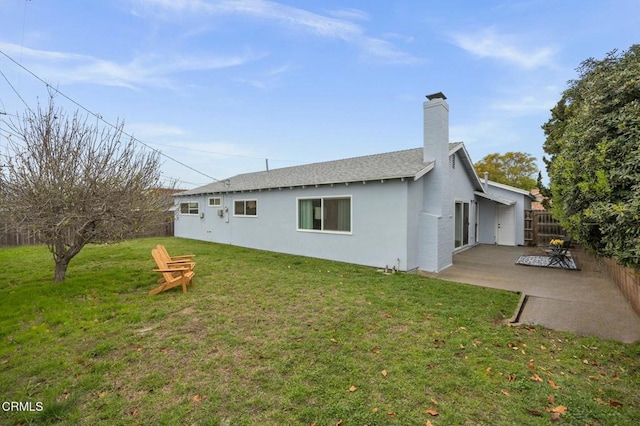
(146, 70)
(349, 13)
(148, 131)
(488, 43)
(340, 26)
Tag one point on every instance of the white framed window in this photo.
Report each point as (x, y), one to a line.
(325, 214)
(245, 208)
(192, 207)
(214, 201)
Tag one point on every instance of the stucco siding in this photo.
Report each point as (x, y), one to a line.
(523, 203)
(378, 227)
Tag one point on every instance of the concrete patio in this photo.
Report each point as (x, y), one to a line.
(585, 302)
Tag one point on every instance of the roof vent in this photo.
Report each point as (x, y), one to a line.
(438, 95)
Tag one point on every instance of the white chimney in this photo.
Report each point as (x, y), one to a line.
(436, 218)
(436, 129)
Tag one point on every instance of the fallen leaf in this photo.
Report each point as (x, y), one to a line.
(543, 347)
(553, 384)
(139, 349)
(384, 373)
(560, 409)
(600, 401)
(133, 412)
(392, 414)
(505, 393)
(461, 346)
(535, 413)
(375, 350)
(428, 423)
(339, 423)
(551, 399)
(102, 394)
(434, 401)
(432, 412)
(197, 398)
(388, 316)
(352, 388)
(488, 370)
(374, 410)
(511, 377)
(614, 403)
(537, 378)
(531, 365)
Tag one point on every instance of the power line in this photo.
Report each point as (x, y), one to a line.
(96, 115)
(14, 90)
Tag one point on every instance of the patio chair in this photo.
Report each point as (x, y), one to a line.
(184, 260)
(558, 255)
(172, 275)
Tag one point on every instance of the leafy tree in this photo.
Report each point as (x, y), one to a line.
(593, 142)
(75, 185)
(512, 168)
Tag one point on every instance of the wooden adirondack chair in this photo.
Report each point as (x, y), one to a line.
(184, 260)
(172, 275)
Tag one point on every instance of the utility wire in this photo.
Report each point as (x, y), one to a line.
(14, 89)
(97, 116)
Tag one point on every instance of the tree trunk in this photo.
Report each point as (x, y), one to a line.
(61, 270)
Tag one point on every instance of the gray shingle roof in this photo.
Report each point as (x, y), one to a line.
(392, 165)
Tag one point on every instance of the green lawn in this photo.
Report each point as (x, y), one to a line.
(271, 339)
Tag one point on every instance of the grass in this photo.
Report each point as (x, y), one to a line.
(265, 338)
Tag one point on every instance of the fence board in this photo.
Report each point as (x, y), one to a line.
(540, 227)
(11, 237)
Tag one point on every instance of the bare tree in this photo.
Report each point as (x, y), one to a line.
(76, 184)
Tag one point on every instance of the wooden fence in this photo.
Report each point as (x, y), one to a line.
(627, 280)
(20, 237)
(540, 227)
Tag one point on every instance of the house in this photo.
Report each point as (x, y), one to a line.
(409, 209)
(503, 206)
(538, 204)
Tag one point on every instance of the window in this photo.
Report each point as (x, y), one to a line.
(189, 208)
(245, 208)
(332, 214)
(215, 201)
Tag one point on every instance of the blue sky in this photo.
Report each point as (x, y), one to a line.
(222, 85)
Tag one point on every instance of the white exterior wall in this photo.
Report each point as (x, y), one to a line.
(522, 203)
(379, 224)
(489, 214)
